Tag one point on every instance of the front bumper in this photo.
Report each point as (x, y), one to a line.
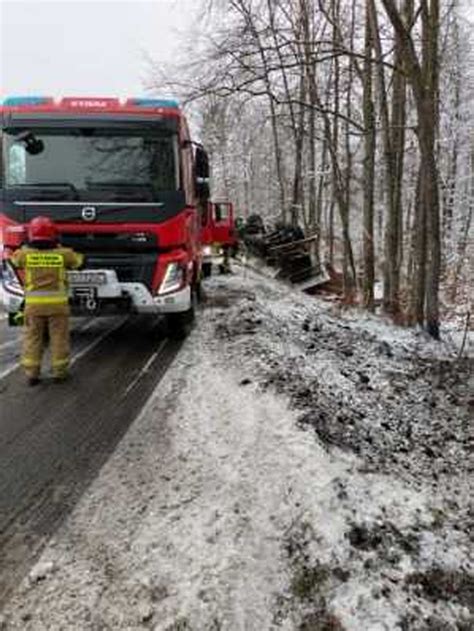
(134, 298)
(109, 297)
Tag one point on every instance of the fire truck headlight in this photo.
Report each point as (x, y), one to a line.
(207, 250)
(175, 278)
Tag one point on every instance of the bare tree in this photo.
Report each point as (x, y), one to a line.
(332, 109)
(369, 164)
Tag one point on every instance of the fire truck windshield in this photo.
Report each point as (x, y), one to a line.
(90, 163)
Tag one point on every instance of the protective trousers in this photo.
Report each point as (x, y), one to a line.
(38, 328)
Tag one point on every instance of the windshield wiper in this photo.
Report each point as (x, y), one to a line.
(119, 185)
(49, 185)
(133, 191)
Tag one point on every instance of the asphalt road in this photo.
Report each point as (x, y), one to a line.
(55, 437)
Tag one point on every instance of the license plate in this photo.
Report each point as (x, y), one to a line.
(87, 278)
(87, 297)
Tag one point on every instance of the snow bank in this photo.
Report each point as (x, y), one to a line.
(293, 470)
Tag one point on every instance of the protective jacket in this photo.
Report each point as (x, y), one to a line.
(45, 279)
(46, 306)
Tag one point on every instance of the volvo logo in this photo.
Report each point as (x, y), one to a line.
(89, 213)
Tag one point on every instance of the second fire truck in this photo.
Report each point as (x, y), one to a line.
(219, 237)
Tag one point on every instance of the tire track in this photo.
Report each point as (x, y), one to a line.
(10, 348)
(55, 441)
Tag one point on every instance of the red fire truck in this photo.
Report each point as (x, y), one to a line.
(124, 183)
(218, 235)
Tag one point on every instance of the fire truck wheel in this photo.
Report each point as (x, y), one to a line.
(180, 324)
(206, 270)
(200, 295)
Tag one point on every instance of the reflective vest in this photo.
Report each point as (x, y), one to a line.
(45, 279)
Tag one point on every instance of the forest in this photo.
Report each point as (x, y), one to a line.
(353, 119)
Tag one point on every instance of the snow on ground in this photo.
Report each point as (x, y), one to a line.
(294, 470)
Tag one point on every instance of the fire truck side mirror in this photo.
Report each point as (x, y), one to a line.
(201, 164)
(201, 169)
(202, 190)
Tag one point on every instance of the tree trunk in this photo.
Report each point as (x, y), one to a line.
(369, 171)
(391, 269)
(246, 12)
(424, 81)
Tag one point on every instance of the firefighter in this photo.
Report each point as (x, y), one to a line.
(45, 263)
(225, 265)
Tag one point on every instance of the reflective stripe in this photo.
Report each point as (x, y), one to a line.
(30, 363)
(46, 292)
(60, 363)
(46, 300)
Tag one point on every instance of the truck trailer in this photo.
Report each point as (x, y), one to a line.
(125, 185)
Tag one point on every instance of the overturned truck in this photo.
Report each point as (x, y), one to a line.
(286, 250)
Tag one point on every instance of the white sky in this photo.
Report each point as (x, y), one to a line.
(87, 47)
(92, 47)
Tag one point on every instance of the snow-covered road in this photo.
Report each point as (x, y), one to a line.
(293, 470)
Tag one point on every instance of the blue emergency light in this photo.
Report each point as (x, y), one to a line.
(150, 102)
(18, 101)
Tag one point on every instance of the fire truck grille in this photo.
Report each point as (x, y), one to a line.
(132, 255)
(136, 268)
(110, 242)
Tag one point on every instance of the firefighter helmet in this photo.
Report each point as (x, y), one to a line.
(42, 229)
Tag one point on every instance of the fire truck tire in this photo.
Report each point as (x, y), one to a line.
(206, 270)
(200, 295)
(180, 324)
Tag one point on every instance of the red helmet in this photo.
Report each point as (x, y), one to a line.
(42, 229)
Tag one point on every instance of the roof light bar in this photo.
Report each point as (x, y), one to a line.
(91, 103)
(19, 101)
(150, 102)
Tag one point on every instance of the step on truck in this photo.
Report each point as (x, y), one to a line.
(124, 184)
